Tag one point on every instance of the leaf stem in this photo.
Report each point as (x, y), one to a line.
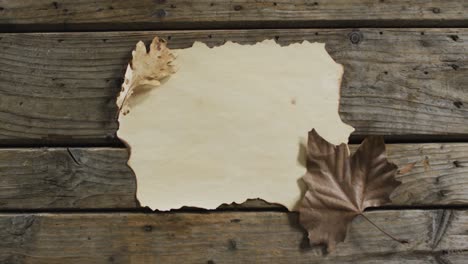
(402, 241)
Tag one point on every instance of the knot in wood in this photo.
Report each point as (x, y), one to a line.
(160, 13)
(355, 37)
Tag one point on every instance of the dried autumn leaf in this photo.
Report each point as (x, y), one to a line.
(340, 187)
(145, 71)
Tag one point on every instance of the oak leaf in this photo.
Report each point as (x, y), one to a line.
(145, 71)
(340, 187)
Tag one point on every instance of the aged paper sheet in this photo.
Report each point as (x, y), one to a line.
(230, 124)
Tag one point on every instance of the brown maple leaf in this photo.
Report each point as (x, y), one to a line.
(340, 187)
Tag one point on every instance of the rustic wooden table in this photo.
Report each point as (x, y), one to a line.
(67, 196)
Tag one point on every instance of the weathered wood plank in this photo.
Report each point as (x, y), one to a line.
(60, 88)
(61, 178)
(440, 174)
(226, 237)
(78, 178)
(27, 15)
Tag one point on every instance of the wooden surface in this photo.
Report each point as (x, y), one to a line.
(434, 236)
(60, 88)
(66, 178)
(67, 196)
(40, 15)
(92, 178)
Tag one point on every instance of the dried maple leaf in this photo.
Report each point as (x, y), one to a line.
(145, 71)
(340, 187)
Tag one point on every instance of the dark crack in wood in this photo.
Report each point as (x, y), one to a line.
(75, 160)
(440, 223)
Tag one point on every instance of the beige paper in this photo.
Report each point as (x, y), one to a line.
(228, 125)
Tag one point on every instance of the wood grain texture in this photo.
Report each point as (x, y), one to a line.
(93, 178)
(59, 88)
(440, 174)
(226, 237)
(65, 178)
(40, 15)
